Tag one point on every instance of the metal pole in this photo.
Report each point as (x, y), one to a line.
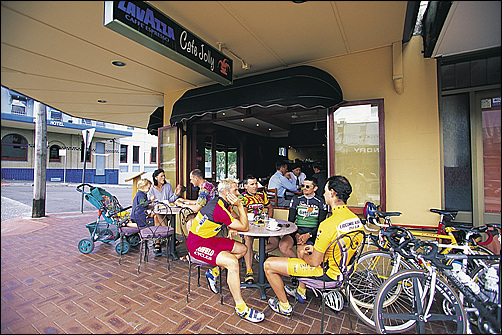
(64, 172)
(40, 164)
(83, 171)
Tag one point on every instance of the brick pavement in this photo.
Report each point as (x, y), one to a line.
(48, 286)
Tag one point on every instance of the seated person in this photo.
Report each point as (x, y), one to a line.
(204, 245)
(307, 211)
(255, 201)
(162, 191)
(140, 203)
(308, 264)
(206, 192)
(282, 181)
(298, 176)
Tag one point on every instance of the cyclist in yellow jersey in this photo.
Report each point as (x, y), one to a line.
(336, 193)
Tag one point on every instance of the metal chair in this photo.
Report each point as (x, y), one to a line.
(129, 237)
(350, 246)
(186, 216)
(153, 233)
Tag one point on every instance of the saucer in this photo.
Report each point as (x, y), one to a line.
(273, 229)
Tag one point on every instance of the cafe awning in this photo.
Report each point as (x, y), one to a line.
(156, 121)
(304, 86)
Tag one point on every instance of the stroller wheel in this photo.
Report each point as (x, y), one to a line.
(133, 239)
(122, 248)
(85, 246)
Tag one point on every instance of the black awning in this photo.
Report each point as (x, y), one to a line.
(156, 121)
(305, 86)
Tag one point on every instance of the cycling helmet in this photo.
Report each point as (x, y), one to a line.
(370, 212)
(334, 300)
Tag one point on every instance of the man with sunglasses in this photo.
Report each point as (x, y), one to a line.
(307, 210)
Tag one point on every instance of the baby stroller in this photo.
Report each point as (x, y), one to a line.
(106, 227)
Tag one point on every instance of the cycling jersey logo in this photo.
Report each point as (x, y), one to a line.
(350, 225)
(307, 211)
(201, 223)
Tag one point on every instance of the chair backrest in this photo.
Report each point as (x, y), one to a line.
(272, 195)
(350, 247)
(186, 216)
(150, 231)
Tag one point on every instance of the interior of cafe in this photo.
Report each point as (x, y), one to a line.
(245, 129)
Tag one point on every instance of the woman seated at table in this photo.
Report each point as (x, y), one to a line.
(162, 191)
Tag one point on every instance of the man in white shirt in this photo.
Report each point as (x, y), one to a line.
(281, 180)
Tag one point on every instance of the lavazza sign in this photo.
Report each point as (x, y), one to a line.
(148, 26)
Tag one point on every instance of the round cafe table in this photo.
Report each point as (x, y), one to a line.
(262, 233)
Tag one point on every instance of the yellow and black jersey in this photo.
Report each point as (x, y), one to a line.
(211, 218)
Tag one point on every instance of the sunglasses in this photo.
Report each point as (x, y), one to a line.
(306, 186)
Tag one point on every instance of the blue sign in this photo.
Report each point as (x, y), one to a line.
(148, 26)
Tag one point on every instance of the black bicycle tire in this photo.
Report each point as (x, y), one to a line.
(444, 290)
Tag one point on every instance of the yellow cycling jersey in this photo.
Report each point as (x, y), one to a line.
(342, 221)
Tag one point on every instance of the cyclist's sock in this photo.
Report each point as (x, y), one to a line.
(241, 307)
(301, 291)
(215, 271)
(249, 271)
(285, 306)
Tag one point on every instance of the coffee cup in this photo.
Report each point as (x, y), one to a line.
(250, 217)
(272, 224)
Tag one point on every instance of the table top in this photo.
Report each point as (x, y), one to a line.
(161, 210)
(257, 231)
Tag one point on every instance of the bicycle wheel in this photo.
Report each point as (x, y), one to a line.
(402, 305)
(373, 268)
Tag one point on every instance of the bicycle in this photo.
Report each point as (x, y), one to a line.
(374, 267)
(423, 299)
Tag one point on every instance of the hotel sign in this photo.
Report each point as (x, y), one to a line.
(143, 23)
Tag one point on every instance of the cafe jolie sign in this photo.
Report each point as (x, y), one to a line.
(143, 23)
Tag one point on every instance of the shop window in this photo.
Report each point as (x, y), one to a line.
(14, 148)
(135, 154)
(357, 133)
(123, 153)
(54, 153)
(153, 155)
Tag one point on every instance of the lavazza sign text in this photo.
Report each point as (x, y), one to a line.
(144, 24)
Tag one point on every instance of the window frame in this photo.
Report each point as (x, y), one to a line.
(381, 140)
(126, 147)
(135, 154)
(153, 155)
(58, 159)
(25, 145)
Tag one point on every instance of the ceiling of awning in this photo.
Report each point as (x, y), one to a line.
(305, 87)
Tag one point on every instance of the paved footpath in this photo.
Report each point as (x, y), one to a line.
(48, 286)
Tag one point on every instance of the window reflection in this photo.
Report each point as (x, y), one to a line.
(357, 151)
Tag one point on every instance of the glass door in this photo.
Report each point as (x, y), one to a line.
(487, 155)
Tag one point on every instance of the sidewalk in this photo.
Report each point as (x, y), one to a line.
(48, 286)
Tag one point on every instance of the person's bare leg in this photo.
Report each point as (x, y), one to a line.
(273, 243)
(248, 257)
(286, 245)
(230, 262)
(274, 268)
